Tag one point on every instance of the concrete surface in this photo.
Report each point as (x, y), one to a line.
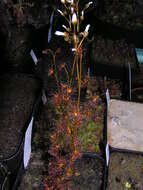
(125, 125)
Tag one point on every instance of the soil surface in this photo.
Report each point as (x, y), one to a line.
(112, 52)
(17, 97)
(127, 14)
(125, 169)
(91, 172)
(137, 94)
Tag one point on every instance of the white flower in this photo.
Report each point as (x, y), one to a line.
(60, 12)
(74, 18)
(58, 33)
(64, 27)
(87, 28)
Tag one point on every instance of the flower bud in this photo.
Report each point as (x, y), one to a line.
(72, 10)
(85, 33)
(70, 1)
(60, 12)
(87, 28)
(74, 18)
(63, 1)
(58, 33)
(82, 15)
(88, 4)
(66, 28)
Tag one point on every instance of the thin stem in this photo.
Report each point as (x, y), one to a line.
(73, 69)
(67, 74)
(65, 6)
(69, 22)
(56, 75)
(81, 42)
(55, 68)
(77, 11)
(75, 46)
(78, 77)
(80, 66)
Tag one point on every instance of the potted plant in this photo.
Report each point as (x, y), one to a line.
(75, 128)
(19, 99)
(125, 171)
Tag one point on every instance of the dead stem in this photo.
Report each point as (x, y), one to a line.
(54, 63)
(66, 71)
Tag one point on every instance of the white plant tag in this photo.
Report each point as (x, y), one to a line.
(107, 97)
(88, 72)
(50, 28)
(44, 98)
(33, 56)
(139, 53)
(27, 143)
(107, 154)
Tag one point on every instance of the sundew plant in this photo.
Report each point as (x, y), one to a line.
(72, 34)
(65, 145)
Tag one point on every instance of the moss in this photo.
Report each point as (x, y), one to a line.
(90, 135)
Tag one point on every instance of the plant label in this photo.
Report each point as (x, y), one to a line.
(27, 143)
(107, 97)
(130, 81)
(33, 56)
(139, 54)
(44, 98)
(107, 154)
(50, 28)
(88, 72)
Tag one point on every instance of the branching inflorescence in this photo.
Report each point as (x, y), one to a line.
(73, 35)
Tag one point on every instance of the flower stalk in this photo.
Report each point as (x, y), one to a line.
(74, 36)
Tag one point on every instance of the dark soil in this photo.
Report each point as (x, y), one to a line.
(125, 168)
(137, 94)
(116, 53)
(127, 14)
(90, 174)
(17, 97)
(89, 170)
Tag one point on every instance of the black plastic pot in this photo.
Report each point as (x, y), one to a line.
(12, 164)
(122, 56)
(91, 160)
(111, 31)
(115, 150)
(12, 161)
(4, 177)
(137, 94)
(124, 153)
